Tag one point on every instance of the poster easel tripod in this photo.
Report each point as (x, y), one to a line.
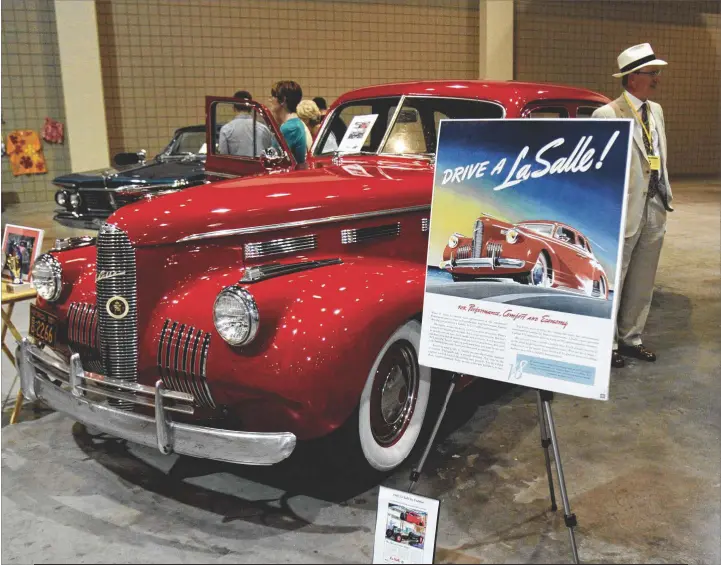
(548, 437)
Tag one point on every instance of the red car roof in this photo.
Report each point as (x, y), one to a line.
(505, 92)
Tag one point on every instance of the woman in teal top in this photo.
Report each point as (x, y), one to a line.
(285, 96)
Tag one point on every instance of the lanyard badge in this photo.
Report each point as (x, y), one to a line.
(654, 161)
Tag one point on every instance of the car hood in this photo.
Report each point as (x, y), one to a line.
(151, 173)
(306, 195)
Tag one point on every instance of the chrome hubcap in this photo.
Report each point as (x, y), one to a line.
(394, 393)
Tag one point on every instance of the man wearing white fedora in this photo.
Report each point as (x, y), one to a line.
(649, 197)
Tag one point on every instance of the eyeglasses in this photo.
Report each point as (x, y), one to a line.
(649, 73)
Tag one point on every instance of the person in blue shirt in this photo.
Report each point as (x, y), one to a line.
(284, 98)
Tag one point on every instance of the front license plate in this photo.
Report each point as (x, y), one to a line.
(43, 326)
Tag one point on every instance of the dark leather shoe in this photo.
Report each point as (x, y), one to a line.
(616, 360)
(637, 351)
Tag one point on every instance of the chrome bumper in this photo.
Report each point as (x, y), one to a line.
(483, 263)
(247, 448)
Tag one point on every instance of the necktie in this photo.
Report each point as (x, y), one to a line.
(654, 181)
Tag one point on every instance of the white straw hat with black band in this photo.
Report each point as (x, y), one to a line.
(635, 58)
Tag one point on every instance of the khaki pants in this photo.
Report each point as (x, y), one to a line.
(640, 261)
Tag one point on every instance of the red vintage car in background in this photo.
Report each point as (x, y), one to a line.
(228, 320)
(536, 252)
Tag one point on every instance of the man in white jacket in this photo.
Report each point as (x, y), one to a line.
(649, 197)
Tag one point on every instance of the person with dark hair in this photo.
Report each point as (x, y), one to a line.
(648, 201)
(238, 137)
(285, 95)
(322, 106)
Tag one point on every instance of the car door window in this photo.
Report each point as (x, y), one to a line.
(241, 131)
(581, 242)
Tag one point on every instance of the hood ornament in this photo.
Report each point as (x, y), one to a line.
(102, 275)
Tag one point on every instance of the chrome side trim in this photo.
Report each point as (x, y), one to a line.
(232, 446)
(279, 246)
(360, 235)
(425, 224)
(263, 272)
(303, 223)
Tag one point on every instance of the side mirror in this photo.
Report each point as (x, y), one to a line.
(123, 159)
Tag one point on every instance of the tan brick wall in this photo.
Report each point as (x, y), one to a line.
(577, 41)
(31, 90)
(160, 58)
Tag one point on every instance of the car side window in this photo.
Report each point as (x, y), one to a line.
(581, 242)
(565, 234)
(585, 111)
(549, 112)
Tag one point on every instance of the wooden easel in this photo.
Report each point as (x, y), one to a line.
(9, 299)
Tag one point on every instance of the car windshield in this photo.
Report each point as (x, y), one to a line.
(377, 126)
(542, 229)
(185, 144)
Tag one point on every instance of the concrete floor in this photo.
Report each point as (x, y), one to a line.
(642, 470)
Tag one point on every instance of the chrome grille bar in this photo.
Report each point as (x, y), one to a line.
(118, 336)
(83, 325)
(182, 357)
(477, 238)
(463, 252)
(359, 235)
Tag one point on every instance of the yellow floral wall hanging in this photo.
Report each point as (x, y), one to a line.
(26, 153)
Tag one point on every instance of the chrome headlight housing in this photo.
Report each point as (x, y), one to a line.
(75, 200)
(235, 315)
(512, 236)
(453, 241)
(61, 197)
(47, 277)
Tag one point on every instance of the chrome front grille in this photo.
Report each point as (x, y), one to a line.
(493, 249)
(279, 246)
(477, 238)
(115, 278)
(182, 358)
(463, 252)
(96, 200)
(359, 235)
(83, 325)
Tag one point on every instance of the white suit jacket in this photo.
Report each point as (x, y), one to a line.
(639, 171)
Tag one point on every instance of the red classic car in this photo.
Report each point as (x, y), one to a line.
(228, 320)
(536, 252)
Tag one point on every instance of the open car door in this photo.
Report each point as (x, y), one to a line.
(242, 139)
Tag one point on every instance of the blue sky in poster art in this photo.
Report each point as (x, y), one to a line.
(589, 201)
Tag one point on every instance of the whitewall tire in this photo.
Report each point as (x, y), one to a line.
(394, 400)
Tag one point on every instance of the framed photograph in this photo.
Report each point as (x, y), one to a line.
(21, 245)
(406, 527)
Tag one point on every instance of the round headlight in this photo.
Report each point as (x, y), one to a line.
(75, 200)
(235, 315)
(61, 197)
(511, 236)
(47, 277)
(453, 241)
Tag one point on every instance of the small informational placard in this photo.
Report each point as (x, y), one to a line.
(357, 133)
(525, 247)
(406, 526)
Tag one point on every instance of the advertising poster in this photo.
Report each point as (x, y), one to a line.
(406, 526)
(524, 253)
